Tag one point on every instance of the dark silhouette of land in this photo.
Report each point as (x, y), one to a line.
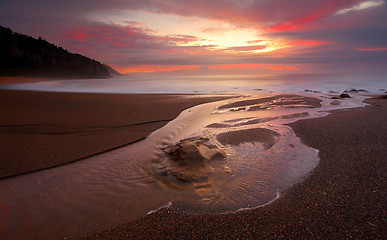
(25, 56)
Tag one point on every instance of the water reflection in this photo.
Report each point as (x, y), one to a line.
(130, 182)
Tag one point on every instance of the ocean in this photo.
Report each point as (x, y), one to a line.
(293, 82)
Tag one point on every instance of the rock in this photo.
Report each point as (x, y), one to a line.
(188, 165)
(353, 90)
(344, 95)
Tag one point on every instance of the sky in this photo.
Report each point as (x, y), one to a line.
(212, 37)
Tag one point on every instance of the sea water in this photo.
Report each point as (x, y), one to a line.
(323, 82)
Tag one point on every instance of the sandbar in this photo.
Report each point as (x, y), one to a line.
(40, 130)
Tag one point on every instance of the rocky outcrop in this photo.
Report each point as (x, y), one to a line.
(22, 55)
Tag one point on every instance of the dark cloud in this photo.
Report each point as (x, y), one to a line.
(235, 11)
(371, 36)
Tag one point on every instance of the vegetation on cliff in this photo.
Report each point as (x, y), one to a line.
(22, 55)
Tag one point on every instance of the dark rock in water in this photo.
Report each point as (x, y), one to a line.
(308, 90)
(353, 90)
(258, 89)
(382, 90)
(316, 92)
(333, 92)
(344, 95)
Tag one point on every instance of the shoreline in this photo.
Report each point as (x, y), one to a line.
(13, 79)
(342, 198)
(41, 130)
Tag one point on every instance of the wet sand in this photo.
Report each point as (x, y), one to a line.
(343, 198)
(21, 79)
(39, 130)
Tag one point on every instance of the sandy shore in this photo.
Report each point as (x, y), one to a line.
(44, 129)
(21, 79)
(343, 198)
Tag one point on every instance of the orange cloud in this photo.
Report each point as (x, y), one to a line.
(312, 43)
(246, 48)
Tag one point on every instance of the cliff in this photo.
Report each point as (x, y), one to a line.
(22, 55)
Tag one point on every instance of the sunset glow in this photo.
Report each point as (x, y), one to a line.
(201, 36)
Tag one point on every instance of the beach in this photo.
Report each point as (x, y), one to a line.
(39, 130)
(342, 198)
(251, 119)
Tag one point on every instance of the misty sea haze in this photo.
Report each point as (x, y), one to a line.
(324, 82)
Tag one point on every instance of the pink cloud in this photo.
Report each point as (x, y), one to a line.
(320, 11)
(278, 15)
(128, 37)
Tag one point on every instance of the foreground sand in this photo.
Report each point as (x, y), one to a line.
(44, 129)
(343, 198)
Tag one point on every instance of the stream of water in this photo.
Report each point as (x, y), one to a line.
(219, 157)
